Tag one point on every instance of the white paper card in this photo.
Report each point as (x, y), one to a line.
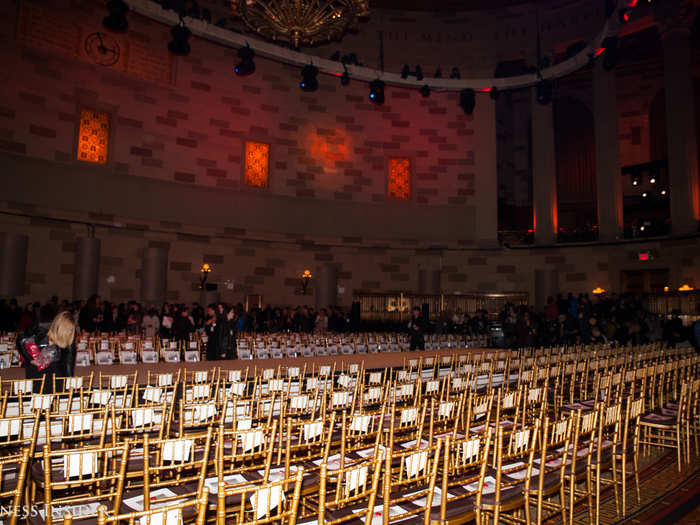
(10, 427)
(201, 376)
(415, 463)
(79, 464)
(375, 377)
(244, 423)
(79, 422)
(204, 412)
(22, 387)
(101, 397)
(232, 479)
(252, 439)
(234, 375)
(267, 498)
(177, 450)
(74, 383)
(312, 430)
(152, 393)
(41, 401)
(355, 479)
(360, 423)
(142, 416)
(237, 389)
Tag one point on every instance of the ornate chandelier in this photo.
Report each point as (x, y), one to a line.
(300, 21)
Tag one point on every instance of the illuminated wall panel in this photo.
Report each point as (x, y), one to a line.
(399, 186)
(257, 164)
(93, 137)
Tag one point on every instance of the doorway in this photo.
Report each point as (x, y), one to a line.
(644, 281)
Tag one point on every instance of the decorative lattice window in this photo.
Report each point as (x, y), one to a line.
(399, 178)
(93, 137)
(257, 164)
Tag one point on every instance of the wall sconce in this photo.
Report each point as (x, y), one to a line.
(598, 290)
(305, 279)
(204, 271)
(665, 288)
(686, 288)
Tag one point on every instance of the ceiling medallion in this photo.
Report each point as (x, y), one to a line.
(298, 22)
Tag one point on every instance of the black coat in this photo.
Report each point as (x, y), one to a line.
(61, 367)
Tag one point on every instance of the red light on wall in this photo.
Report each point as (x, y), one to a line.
(599, 51)
(644, 256)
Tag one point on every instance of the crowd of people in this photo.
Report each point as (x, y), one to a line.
(565, 320)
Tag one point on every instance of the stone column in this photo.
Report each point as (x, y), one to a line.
(13, 263)
(154, 275)
(607, 154)
(675, 18)
(429, 281)
(544, 174)
(486, 176)
(326, 285)
(86, 270)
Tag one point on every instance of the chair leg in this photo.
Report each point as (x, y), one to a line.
(678, 442)
(623, 472)
(562, 501)
(589, 493)
(615, 488)
(597, 494)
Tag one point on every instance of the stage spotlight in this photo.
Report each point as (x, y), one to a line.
(425, 90)
(544, 91)
(116, 19)
(179, 44)
(419, 73)
(344, 79)
(376, 91)
(438, 73)
(663, 192)
(246, 66)
(454, 74)
(493, 93)
(652, 179)
(467, 100)
(610, 57)
(636, 180)
(309, 82)
(645, 195)
(405, 71)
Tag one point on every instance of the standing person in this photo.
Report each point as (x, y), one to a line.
(416, 328)
(151, 323)
(210, 328)
(49, 352)
(226, 335)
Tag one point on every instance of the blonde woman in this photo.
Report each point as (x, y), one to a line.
(49, 352)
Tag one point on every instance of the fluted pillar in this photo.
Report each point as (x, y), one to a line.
(326, 285)
(429, 281)
(675, 18)
(86, 270)
(486, 178)
(607, 154)
(154, 275)
(13, 263)
(544, 174)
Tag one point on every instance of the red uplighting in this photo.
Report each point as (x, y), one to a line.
(643, 256)
(599, 51)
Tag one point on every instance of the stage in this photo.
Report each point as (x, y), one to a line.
(370, 361)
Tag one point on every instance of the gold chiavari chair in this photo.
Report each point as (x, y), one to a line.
(408, 483)
(260, 502)
(585, 426)
(514, 452)
(625, 449)
(347, 494)
(172, 469)
(13, 474)
(665, 427)
(478, 413)
(602, 454)
(406, 426)
(462, 463)
(171, 514)
(242, 456)
(548, 483)
(79, 481)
